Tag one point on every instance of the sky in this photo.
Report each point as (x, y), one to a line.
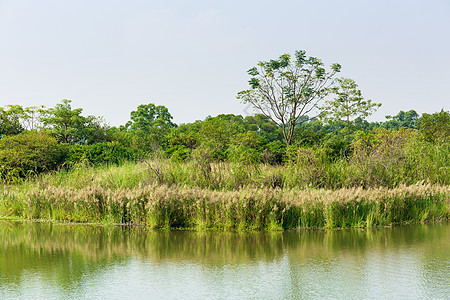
(109, 57)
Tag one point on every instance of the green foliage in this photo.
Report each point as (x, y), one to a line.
(287, 88)
(310, 133)
(99, 153)
(179, 153)
(28, 153)
(264, 127)
(435, 127)
(69, 126)
(202, 172)
(380, 158)
(148, 117)
(149, 124)
(338, 146)
(249, 139)
(348, 104)
(409, 119)
(228, 151)
(183, 137)
(244, 164)
(427, 161)
(243, 154)
(217, 133)
(9, 121)
(274, 153)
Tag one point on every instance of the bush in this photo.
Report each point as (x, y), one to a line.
(28, 153)
(100, 153)
(307, 166)
(178, 153)
(380, 157)
(274, 153)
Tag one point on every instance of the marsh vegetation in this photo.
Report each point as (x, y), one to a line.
(277, 169)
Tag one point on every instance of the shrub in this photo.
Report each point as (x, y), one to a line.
(178, 153)
(28, 153)
(100, 153)
(380, 156)
(274, 153)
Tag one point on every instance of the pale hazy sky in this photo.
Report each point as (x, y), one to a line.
(192, 56)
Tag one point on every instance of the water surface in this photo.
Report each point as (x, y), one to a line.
(55, 261)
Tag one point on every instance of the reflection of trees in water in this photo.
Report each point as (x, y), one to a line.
(66, 253)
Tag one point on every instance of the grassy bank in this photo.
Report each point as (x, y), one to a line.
(134, 194)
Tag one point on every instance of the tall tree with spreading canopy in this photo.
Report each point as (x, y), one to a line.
(287, 88)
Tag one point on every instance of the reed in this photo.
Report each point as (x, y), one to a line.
(247, 208)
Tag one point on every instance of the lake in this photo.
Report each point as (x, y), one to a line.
(60, 261)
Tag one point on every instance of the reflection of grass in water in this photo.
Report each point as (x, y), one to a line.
(67, 253)
(161, 206)
(102, 244)
(38, 250)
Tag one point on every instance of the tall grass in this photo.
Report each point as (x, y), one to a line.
(378, 159)
(162, 206)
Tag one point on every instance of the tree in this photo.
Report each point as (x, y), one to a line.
(436, 127)
(149, 126)
(69, 126)
(264, 127)
(286, 89)
(217, 132)
(148, 117)
(28, 118)
(348, 104)
(32, 117)
(9, 122)
(409, 119)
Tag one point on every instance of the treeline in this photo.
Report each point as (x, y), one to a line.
(325, 153)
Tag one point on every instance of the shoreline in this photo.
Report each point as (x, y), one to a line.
(143, 227)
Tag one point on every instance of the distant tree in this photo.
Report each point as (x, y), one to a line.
(436, 127)
(348, 103)
(310, 133)
(29, 118)
(216, 133)
(9, 122)
(69, 126)
(148, 117)
(264, 126)
(149, 126)
(409, 119)
(32, 117)
(286, 89)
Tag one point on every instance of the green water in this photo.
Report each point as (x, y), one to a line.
(45, 261)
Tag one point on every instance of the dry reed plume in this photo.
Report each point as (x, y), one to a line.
(176, 206)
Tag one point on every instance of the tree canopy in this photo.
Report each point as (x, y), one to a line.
(69, 126)
(9, 121)
(287, 88)
(348, 103)
(150, 116)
